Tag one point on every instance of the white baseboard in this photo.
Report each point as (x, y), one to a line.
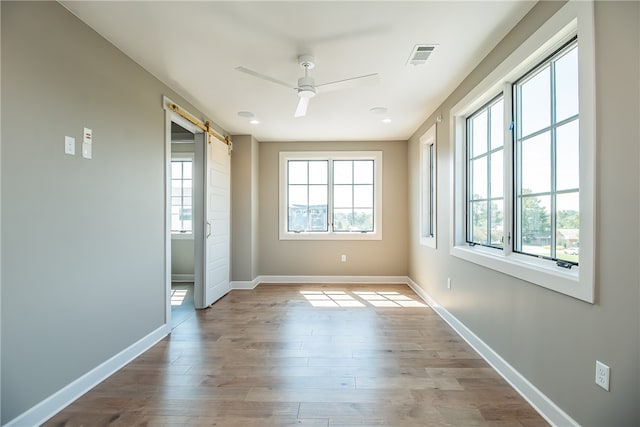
(331, 279)
(244, 285)
(182, 278)
(53, 404)
(545, 406)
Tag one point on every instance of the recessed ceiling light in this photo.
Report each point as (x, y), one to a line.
(378, 110)
(254, 121)
(246, 114)
(386, 120)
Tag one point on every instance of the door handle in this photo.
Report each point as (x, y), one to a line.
(208, 229)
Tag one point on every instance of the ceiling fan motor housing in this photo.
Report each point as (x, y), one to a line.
(306, 87)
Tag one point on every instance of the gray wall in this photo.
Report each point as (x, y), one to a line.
(552, 339)
(82, 240)
(244, 205)
(386, 257)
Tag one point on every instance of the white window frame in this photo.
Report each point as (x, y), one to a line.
(285, 156)
(575, 18)
(177, 156)
(428, 188)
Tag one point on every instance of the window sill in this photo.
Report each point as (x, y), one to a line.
(428, 241)
(330, 236)
(541, 272)
(181, 236)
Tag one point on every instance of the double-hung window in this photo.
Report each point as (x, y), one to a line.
(330, 195)
(182, 196)
(524, 150)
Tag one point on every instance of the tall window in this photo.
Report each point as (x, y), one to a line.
(428, 210)
(524, 160)
(181, 196)
(485, 172)
(330, 195)
(547, 166)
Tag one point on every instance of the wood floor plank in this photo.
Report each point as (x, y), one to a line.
(274, 356)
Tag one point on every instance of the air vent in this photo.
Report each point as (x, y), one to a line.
(420, 53)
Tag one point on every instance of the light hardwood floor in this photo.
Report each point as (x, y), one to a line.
(312, 355)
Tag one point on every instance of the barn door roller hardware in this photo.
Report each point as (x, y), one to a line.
(206, 126)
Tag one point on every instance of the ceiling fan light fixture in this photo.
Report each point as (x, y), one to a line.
(306, 92)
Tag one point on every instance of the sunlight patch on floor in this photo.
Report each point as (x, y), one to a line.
(178, 296)
(344, 299)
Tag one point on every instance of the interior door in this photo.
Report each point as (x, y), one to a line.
(217, 253)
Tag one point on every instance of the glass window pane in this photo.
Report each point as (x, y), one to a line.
(343, 196)
(535, 224)
(297, 172)
(363, 172)
(175, 209)
(318, 172)
(175, 222)
(363, 196)
(479, 182)
(567, 104)
(497, 172)
(568, 226)
(479, 134)
(186, 225)
(187, 170)
(176, 189)
(186, 187)
(567, 156)
(536, 164)
(362, 220)
(478, 222)
(535, 102)
(176, 170)
(318, 195)
(298, 218)
(343, 172)
(342, 219)
(497, 124)
(318, 218)
(186, 202)
(298, 196)
(497, 222)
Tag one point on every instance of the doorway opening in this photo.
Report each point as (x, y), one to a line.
(181, 224)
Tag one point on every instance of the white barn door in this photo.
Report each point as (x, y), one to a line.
(217, 253)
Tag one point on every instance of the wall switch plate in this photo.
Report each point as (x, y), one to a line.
(70, 145)
(343, 258)
(87, 136)
(602, 375)
(86, 150)
(448, 282)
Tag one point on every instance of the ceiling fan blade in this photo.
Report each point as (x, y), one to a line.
(352, 82)
(263, 77)
(301, 110)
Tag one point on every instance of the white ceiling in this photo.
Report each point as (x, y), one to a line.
(194, 47)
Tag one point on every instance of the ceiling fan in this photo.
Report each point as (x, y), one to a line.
(307, 88)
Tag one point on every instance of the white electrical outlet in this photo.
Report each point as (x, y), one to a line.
(602, 375)
(343, 258)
